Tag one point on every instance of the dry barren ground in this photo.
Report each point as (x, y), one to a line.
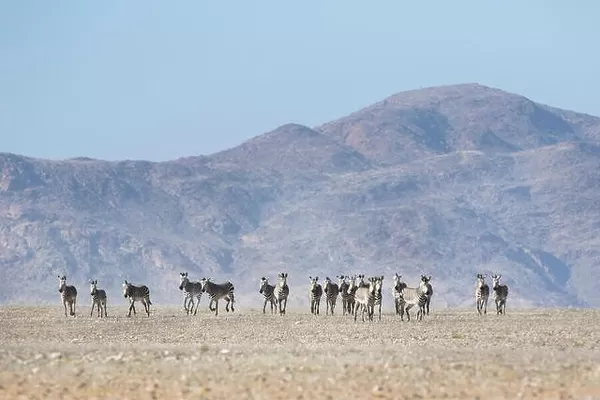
(451, 354)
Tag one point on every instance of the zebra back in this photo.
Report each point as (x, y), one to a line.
(189, 288)
(217, 290)
(136, 292)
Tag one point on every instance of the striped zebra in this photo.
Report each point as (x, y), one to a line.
(351, 293)
(268, 292)
(68, 294)
(411, 297)
(190, 290)
(331, 291)
(425, 281)
(482, 293)
(137, 293)
(397, 294)
(343, 288)
(98, 299)
(218, 291)
(378, 294)
(282, 291)
(364, 298)
(315, 292)
(500, 294)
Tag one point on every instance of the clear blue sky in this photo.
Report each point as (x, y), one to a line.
(158, 80)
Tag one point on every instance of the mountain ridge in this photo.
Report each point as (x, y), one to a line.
(448, 180)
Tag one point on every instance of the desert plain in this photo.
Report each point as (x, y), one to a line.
(452, 354)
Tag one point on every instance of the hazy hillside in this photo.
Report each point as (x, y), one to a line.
(448, 181)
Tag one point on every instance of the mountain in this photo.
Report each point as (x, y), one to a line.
(449, 181)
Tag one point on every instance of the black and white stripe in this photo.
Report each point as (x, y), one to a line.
(346, 297)
(364, 298)
(268, 292)
(190, 290)
(500, 294)
(397, 294)
(68, 295)
(378, 295)
(315, 293)
(218, 291)
(282, 292)
(482, 293)
(331, 294)
(425, 281)
(413, 297)
(98, 299)
(137, 293)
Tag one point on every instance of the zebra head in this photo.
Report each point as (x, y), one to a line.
(203, 283)
(263, 284)
(361, 281)
(183, 280)
(425, 279)
(496, 280)
(424, 284)
(480, 280)
(126, 288)
(282, 279)
(62, 282)
(313, 282)
(93, 287)
(341, 280)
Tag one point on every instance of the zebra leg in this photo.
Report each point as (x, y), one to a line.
(131, 307)
(93, 305)
(230, 302)
(146, 306)
(73, 307)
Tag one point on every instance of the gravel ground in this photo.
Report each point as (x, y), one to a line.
(548, 354)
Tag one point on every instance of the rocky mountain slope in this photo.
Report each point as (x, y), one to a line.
(448, 181)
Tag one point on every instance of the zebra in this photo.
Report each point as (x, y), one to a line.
(365, 299)
(500, 294)
(190, 290)
(268, 293)
(397, 294)
(68, 295)
(137, 293)
(482, 293)
(411, 297)
(98, 298)
(351, 293)
(425, 280)
(378, 293)
(343, 288)
(216, 292)
(331, 293)
(315, 293)
(282, 291)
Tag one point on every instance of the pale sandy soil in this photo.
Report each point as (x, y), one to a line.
(547, 354)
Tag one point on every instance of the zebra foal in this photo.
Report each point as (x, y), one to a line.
(190, 290)
(216, 292)
(98, 299)
(331, 291)
(482, 293)
(137, 293)
(282, 292)
(268, 292)
(500, 294)
(68, 294)
(315, 292)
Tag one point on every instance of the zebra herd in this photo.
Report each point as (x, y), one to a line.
(358, 294)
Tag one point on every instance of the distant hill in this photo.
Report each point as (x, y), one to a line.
(449, 181)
